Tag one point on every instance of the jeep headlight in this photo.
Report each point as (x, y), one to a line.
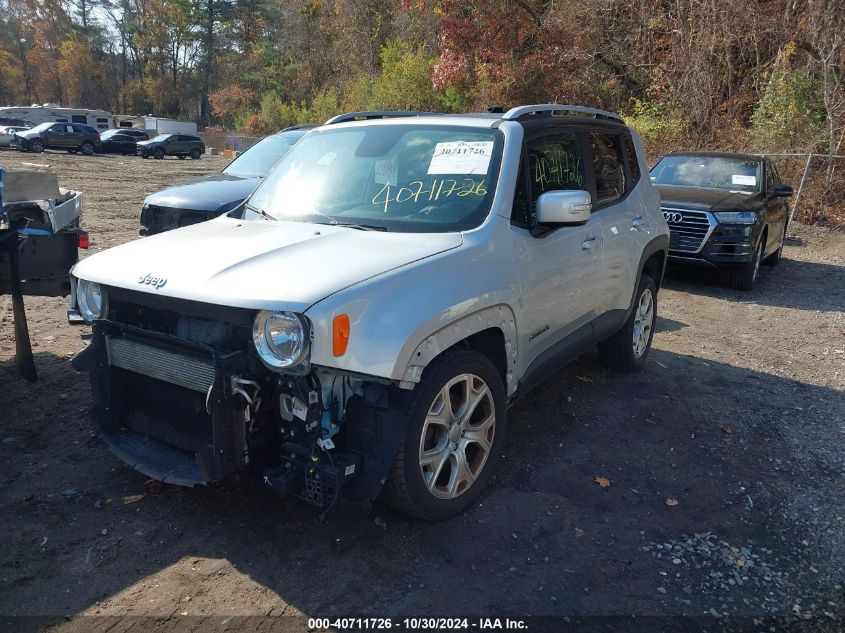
(281, 339)
(736, 217)
(91, 300)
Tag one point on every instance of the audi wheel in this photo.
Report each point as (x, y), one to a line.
(745, 278)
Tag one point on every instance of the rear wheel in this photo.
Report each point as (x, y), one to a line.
(37, 146)
(87, 148)
(455, 432)
(158, 153)
(745, 278)
(196, 153)
(628, 348)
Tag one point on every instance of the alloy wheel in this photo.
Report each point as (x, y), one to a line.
(457, 436)
(643, 322)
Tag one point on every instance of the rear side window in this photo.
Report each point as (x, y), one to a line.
(554, 162)
(608, 168)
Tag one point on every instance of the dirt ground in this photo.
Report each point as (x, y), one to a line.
(725, 458)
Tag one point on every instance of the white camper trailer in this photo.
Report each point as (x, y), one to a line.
(98, 119)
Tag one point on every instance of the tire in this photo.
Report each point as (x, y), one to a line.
(745, 277)
(87, 148)
(774, 258)
(158, 153)
(461, 442)
(196, 153)
(628, 348)
(36, 146)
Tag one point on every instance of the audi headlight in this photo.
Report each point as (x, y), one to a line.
(736, 217)
(281, 339)
(91, 299)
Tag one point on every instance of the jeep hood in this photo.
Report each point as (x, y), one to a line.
(258, 264)
(217, 192)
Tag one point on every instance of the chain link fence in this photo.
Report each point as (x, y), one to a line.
(819, 184)
(225, 140)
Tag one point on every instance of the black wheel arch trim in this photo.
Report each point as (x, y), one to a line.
(659, 244)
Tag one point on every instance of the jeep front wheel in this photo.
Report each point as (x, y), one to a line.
(455, 430)
(627, 349)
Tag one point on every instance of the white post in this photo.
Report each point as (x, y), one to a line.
(800, 187)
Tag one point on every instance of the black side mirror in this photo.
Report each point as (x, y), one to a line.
(782, 191)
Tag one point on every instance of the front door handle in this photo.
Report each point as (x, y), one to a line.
(588, 244)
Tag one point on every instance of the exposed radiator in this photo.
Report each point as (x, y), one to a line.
(162, 364)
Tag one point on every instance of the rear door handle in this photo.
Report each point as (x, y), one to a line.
(588, 244)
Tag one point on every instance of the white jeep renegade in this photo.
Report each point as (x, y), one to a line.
(362, 324)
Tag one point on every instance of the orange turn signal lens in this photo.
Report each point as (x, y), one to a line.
(340, 334)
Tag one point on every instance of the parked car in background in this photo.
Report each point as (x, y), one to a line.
(207, 197)
(179, 145)
(137, 133)
(9, 131)
(73, 137)
(360, 326)
(116, 142)
(725, 211)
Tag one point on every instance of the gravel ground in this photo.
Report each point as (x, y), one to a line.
(724, 460)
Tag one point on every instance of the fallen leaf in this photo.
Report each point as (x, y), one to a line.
(584, 378)
(671, 502)
(726, 429)
(133, 498)
(741, 561)
(604, 482)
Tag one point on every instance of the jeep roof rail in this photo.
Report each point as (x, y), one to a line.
(374, 114)
(550, 108)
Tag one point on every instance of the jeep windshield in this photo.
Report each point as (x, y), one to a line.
(404, 178)
(712, 172)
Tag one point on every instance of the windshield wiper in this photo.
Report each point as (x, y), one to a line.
(261, 212)
(353, 225)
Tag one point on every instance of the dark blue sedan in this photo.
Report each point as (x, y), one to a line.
(208, 197)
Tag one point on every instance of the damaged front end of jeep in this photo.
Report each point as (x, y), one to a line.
(189, 393)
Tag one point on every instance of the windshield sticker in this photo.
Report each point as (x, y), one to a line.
(387, 171)
(461, 157)
(327, 159)
(437, 190)
(738, 179)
